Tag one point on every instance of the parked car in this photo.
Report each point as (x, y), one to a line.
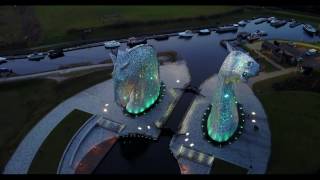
(35, 56)
(311, 52)
(55, 53)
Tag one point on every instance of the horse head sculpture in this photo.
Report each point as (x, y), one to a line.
(136, 78)
(223, 119)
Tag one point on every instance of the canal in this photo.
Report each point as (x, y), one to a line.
(202, 53)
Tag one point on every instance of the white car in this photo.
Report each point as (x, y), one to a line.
(311, 52)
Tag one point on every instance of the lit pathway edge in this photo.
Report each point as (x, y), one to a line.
(251, 151)
(94, 100)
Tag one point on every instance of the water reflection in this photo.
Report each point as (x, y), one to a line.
(140, 156)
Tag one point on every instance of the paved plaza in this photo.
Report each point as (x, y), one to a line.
(251, 151)
(99, 101)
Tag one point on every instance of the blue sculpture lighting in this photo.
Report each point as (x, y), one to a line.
(136, 78)
(223, 120)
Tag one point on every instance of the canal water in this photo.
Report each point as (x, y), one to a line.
(204, 56)
(140, 156)
(144, 156)
(202, 53)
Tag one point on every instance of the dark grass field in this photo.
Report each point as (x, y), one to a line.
(221, 167)
(294, 123)
(45, 27)
(47, 159)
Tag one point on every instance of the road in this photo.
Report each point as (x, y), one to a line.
(54, 73)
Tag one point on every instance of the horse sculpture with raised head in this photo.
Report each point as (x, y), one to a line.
(136, 78)
(223, 119)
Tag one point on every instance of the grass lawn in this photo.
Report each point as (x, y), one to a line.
(315, 45)
(47, 159)
(24, 103)
(10, 31)
(299, 16)
(294, 123)
(56, 20)
(223, 167)
(59, 26)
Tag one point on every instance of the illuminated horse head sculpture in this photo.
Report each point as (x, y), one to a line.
(136, 78)
(223, 119)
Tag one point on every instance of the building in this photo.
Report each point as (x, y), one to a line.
(283, 53)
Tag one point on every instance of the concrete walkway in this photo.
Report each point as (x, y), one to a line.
(95, 100)
(263, 76)
(88, 137)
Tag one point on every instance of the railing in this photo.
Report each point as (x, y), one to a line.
(71, 142)
(195, 156)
